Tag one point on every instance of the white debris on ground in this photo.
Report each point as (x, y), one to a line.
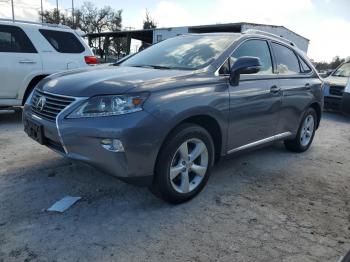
(63, 204)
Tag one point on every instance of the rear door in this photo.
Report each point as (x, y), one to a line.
(19, 60)
(296, 80)
(255, 102)
(65, 50)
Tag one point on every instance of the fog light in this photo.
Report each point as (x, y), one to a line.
(113, 145)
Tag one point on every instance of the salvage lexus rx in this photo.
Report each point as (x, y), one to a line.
(164, 116)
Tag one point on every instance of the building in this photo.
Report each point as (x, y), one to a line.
(152, 36)
(160, 34)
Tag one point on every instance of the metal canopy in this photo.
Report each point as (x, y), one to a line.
(144, 35)
(220, 28)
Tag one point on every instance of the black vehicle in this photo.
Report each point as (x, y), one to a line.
(337, 89)
(164, 116)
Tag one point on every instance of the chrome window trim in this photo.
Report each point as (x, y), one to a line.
(298, 56)
(276, 74)
(260, 142)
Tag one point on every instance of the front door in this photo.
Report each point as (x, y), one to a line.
(255, 103)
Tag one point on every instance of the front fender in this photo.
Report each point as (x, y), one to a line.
(172, 107)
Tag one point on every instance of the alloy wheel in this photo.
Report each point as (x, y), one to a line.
(307, 130)
(189, 165)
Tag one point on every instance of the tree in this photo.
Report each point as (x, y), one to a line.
(52, 17)
(149, 22)
(120, 45)
(88, 18)
(336, 61)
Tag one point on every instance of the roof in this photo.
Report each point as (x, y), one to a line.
(33, 24)
(239, 24)
(147, 34)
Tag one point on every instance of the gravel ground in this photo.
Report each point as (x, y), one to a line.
(266, 205)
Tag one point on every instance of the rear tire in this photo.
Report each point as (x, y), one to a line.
(184, 164)
(306, 133)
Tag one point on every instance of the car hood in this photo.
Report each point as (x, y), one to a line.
(104, 80)
(336, 81)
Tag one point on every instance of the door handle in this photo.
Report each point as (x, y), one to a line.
(275, 89)
(308, 86)
(27, 62)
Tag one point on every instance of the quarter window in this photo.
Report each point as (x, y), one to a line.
(304, 67)
(63, 42)
(14, 40)
(255, 48)
(287, 62)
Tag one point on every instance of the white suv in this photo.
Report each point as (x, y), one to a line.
(31, 51)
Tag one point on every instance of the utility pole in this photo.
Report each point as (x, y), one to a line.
(58, 14)
(13, 11)
(12, 5)
(42, 12)
(73, 14)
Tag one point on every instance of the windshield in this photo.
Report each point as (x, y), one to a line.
(343, 71)
(189, 52)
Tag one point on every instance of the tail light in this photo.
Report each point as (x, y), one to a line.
(91, 60)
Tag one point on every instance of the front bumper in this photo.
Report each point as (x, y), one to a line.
(338, 103)
(346, 103)
(333, 103)
(80, 139)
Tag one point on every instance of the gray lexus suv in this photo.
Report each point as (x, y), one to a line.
(164, 116)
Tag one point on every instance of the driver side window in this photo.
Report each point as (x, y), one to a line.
(255, 48)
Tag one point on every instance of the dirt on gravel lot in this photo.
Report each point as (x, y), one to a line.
(266, 205)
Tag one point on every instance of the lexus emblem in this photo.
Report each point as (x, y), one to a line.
(41, 103)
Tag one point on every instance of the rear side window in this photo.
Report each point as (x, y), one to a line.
(14, 40)
(63, 42)
(256, 48)
(287, 61)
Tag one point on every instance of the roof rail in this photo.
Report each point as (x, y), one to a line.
(34, 23)
(259, 32)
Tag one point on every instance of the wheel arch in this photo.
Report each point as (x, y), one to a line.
(35, 80)
(209, 123)
(316, 106)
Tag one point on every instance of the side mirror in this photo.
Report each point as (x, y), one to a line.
(244, 65)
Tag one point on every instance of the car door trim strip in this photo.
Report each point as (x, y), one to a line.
(261, 142)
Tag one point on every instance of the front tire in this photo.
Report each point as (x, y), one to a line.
(184, 163)
(306, 133)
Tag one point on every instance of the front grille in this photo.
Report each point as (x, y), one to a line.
(336, 90)
(50, 106)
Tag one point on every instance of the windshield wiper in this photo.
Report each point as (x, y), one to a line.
(153, 66)
(340, 75)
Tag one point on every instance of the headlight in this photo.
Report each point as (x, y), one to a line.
(347, 88)
(325, 87)
(110, 106)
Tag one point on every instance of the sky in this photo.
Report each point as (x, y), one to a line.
(325, 22)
